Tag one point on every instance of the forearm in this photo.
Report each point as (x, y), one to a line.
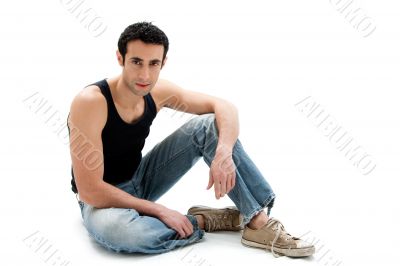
(104, 195)
(227, 118)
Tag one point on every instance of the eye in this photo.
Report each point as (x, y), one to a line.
(136, 62)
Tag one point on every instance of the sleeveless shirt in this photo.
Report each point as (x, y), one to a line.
(122, 142)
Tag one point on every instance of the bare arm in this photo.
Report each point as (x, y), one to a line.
(222, 170)
(87, 118)
(227, 119)
(226, 114)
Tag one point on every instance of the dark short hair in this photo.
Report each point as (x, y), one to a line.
(144, 31)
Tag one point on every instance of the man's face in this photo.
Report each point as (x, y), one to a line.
(142, 66)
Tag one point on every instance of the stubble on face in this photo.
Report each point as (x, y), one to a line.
(148, 55)
(138, 91)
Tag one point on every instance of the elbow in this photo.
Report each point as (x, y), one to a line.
(225, 105)
(232, 108)
(91, 197)
(93, 201)
(88, 199)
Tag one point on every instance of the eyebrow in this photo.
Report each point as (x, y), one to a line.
(141, 60)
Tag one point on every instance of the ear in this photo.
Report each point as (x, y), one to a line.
(119, 58)
(164, 61)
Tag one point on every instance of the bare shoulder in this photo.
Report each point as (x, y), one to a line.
(162, 92)
(163, 86)
(89, 107)
(159, 88)
(90, 94)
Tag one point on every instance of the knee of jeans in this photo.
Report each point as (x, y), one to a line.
(207, 118)
(116, 229)
(206, 121)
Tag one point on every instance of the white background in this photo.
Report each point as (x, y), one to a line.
(264, 56)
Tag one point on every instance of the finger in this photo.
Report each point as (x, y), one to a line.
(233, 181)
(210, 181)
(185, 233)
(223, 187)
(189, 225)
(217, 188)
(233, 178)
(186, 229)
(181, 232)
(229, 184)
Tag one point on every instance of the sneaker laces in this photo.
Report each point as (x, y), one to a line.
(215, 222)
(280, 231)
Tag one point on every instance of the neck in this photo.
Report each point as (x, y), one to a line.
(122, 94)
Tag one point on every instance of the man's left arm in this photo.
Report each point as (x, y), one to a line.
(222, 170)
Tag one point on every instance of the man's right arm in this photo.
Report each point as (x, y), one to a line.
(87, 119)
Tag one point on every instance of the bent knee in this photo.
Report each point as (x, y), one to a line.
(123, 232)
(205, 121)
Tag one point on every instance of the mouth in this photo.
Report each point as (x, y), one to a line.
(142, 85)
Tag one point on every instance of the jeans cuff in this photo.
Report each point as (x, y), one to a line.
(268, 203)
(194, 222)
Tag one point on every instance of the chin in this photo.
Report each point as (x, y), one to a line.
(140, 92)
(136, 91)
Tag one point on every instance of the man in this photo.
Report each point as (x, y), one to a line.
(118, 188)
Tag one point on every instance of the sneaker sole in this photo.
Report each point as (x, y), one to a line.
(204, 208)
(293, 252)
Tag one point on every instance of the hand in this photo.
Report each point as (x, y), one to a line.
(177, 221)
(222, 173)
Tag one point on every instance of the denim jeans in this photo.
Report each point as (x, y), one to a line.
(125, 230)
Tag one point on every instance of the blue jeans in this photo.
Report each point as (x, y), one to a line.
(125, 230)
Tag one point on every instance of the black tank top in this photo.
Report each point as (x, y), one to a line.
(122, 142)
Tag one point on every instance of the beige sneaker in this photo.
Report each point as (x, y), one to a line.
(273, 237)
(225, 219)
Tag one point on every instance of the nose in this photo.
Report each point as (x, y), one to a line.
(144, 74)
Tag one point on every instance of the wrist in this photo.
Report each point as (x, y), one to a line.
(223, 149)
(160, 210)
